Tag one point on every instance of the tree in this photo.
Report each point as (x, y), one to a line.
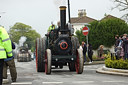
(19, 30)
(122, 5)
(80, 36)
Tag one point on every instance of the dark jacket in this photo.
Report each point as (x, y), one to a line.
(90, 52)
(117, 42)
(125, 45)
(84, 48)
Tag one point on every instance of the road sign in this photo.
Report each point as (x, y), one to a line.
(85, 31)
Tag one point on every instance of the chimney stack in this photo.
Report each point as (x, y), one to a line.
(82, 13)
(63, 18)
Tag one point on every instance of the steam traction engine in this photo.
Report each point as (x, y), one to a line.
(58, 48)
(23, 54)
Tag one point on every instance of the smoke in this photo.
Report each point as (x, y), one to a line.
(22, 40)
(59, 3)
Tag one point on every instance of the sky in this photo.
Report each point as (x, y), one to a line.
(40, 13)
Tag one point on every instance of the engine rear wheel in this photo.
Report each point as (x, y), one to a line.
(48, 61)
(39, 56)
(79, 61)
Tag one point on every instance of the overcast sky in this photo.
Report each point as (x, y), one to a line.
(40, 13)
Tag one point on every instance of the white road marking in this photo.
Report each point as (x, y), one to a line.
(21, 83)
(52, 82)
(113, 81)
(91, 69)
(79, 82)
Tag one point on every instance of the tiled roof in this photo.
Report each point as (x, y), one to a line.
(83, 19)
(108, 16)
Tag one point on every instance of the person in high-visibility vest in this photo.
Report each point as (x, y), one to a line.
(52, 27)
(9, 62)
(5, 49)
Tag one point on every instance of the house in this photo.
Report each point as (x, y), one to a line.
(81, 20)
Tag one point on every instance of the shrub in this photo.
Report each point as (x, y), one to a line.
(118, 64)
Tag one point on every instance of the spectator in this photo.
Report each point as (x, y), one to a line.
(116, 45)
(101, 50)
(117, 40)
(121, 47)
(90, 52)
(124, 36)
(84, 50)
(125, 47)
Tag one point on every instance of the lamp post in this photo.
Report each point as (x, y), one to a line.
(2, 13)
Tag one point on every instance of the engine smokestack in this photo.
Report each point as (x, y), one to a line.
(63, 18)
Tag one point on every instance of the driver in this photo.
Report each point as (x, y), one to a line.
(52, 27)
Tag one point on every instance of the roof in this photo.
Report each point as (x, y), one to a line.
(108, 16)
(83, 19)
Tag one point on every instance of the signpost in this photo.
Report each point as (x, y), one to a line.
(85, 31)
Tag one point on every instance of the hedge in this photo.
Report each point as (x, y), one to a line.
(118, 64)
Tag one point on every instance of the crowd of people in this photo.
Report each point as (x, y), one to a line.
(121, 47)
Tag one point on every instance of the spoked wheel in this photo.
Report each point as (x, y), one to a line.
(48, 61)
(40, 65)
(37, 47)
(79, 61)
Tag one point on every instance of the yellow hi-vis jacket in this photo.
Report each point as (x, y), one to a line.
(5, 44)
(52, 27)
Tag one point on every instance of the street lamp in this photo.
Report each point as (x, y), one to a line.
(2, 13)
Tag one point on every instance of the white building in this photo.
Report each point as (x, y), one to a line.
(81, 20)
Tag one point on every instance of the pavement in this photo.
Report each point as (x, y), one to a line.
(94, 63)
(112, 71)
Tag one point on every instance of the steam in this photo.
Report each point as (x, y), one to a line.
(21, 43)
(59, 3)
(22, 40)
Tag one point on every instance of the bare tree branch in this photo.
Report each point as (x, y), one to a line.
(122, 5)
(124, 2)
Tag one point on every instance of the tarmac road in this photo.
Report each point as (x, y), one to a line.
(27, 75)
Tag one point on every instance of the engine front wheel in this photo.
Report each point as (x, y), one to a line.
(48, 61)
(71, 66)
(79, 61)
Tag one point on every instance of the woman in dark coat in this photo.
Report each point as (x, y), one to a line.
(90, 52)
(84, 50)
